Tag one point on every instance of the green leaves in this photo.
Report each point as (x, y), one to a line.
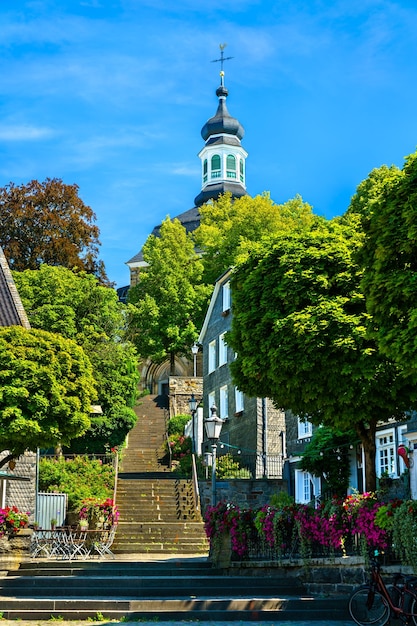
(47, 388)
(76, 306)
(300, 329)
(167, 306)
(386, 202)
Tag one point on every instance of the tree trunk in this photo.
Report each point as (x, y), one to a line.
(172, 364)
(367, 436)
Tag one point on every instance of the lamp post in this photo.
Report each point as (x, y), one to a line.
(213, 427)
(194, 350)
(193, 404)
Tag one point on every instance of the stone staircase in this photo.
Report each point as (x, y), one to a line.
(174, 588)
(157, 510)
(141, 583)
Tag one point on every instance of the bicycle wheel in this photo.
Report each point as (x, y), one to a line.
(367, 606)
(413, 611)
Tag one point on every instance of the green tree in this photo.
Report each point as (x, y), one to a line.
(388, 256)
(48, 223)
(46, 390)
(168, 304)
(230, 228)
(327, 456)
(300, 331)
(75, 305)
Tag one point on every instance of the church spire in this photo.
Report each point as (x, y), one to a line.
(223, 157)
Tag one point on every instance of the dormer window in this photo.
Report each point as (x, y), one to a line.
(231, 166)
(205, 168)
(215, 166)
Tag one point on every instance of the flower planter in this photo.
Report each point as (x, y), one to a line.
(14, 549)
(221, 551)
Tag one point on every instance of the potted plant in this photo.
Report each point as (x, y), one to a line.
(54, 522)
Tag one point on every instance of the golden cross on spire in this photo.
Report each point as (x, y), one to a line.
(222, 57)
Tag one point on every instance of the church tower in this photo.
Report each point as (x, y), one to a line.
(223, 157)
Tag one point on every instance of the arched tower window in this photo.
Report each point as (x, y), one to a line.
(205, 167)
(242, 173)
(231, 166)
(215, 166)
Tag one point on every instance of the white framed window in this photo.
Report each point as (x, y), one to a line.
(307, 487)
(305, 428)
(239, 403)
(212, 356)
(224, 403)
(222, 349)
(386, 452)
(226, 296)
(211, 401)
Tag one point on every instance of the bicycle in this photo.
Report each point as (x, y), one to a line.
(375, 603)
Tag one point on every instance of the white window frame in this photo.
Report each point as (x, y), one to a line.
(222, 350)
(305, 428)
(212, 356)
(226, 296)
(224, 403)
(211, 401)
(386, 451)
(239, 401)
(307, 487)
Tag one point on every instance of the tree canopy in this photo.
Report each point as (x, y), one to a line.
(231, 228)
(47, 222)
(75, 305)
(388, 256)
(46, 390)
(300, 331)
(168, 303)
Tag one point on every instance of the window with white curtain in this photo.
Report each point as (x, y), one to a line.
(224, 403)
(226, 296)
(222, 349)
(238, 400)
(212, 356)
(211, 401)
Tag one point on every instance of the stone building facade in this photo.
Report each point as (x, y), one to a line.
(254, 429)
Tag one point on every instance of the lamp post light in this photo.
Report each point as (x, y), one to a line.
(193, 404)
(194, 350)
(213, 427)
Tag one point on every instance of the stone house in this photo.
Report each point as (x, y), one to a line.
(254, 430)
(390, 466)
(18, 483)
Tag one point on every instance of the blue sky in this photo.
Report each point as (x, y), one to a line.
(112, 95)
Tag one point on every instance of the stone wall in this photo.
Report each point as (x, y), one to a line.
(180, 390)
(247, 494)
(23, 493)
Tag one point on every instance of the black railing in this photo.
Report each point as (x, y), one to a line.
(243, 465)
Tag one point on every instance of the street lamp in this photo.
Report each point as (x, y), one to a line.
(194, 350)
(193, 404)
(213, 427)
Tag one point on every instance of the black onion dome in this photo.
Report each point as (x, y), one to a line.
(222, 122)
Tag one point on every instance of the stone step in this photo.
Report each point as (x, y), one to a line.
(274, 609)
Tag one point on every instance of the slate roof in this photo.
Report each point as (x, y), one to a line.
(12, 312)
(189, 219)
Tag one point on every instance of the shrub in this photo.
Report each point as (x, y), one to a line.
(228, 467)
(177, 424)
(80, 478)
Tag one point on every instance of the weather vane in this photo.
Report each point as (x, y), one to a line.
(222, 57)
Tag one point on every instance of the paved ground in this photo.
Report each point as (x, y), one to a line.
(176, 623)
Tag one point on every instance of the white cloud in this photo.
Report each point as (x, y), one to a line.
(24, 132)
